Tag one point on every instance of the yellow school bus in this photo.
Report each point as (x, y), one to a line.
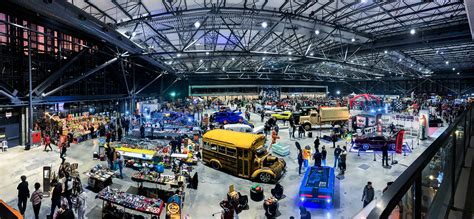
(241, 154)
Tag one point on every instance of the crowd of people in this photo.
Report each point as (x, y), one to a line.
(61, 199)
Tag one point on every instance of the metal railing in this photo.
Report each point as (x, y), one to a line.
(427, 187)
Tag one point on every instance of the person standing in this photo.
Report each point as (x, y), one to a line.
(274, 138)
(385, 154)
(317, 157)
(368, 194)
(35, 199)
(262, 115)
(23, 194)
(120, 161)
(142, 131)
(81, 204)
(342, 160)
(316, 143)
(300, 160)
(334, 140)
(119, 133)
(306, 155)
(290, 130)
(337, 153)
(324, 154)
(68, 184)
(56, 196)
(47, 143)
(293, 130)
(300, 131)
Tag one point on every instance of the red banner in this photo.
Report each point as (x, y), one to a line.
(399, 142)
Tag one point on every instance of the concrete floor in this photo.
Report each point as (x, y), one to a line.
(213, 184)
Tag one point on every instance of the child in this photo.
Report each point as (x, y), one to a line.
(306, 155)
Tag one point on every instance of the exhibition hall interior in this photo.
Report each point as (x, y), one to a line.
(251, 109)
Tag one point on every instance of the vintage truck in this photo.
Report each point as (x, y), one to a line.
(325, 115)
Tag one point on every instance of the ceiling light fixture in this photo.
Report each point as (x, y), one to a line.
(263, 58)
(290, 59)
(412, 31)
(197, 24)
(178, 55)
(200, 60)
(264, 24)
(289, 53)
(311, 54)
(353, 39)
(207, 53)
(454, 69)
(437, 51)
(385, 51)
(399, 59)
(233, 59)
(316, 32)
(447, 62)
(458, 73)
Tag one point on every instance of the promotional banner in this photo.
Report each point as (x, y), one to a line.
(399, 142)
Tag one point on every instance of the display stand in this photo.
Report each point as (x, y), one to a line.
(150, 206)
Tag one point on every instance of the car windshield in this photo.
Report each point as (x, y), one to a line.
(318, 178)
(261, 151)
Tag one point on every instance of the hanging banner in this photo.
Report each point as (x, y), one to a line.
(399, 142)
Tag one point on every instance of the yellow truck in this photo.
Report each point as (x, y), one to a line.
(325, 115)
(241, 154)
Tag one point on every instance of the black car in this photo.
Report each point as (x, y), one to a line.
(374, 141)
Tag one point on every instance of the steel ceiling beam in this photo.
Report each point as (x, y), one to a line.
(38, 90)
(469, 5)
(85, 75)
(68, 14)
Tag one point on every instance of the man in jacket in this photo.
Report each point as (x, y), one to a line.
(337, 152)
(317, 158)
(23, 194)
(368, 194)
(56, 196)
(316, 143)
(385, 154)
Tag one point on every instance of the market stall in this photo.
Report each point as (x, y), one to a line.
(138, 203)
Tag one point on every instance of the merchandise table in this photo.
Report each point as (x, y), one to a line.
(100, 179)
(133, 202)
(159, 179)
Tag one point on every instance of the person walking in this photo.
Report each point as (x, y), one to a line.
(324, 154)
(62, 155)
(81, 204)
(23, 194)
(337, 153)
(316, 143)
(262, 116)
(385, 154)
(368, 194)
(293, 130)
(35, 199)
(119, 161)
(300, 160)
(317, 157)
(306, 155)
(47, 143)
(56, 196)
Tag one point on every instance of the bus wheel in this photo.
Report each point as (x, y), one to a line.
(215, 165)
(265, 177)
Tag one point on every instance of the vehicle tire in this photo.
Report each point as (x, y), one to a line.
(215, 165)
(265, 177)
(307, 126)
(366, 147)
(392, 146)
